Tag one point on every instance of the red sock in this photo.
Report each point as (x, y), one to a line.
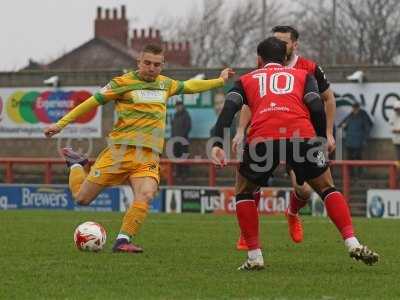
(257, 197)
(295, 203)
(339, 212)
(247, 215)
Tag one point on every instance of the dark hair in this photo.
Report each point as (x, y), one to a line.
(294, 34)
(272, 49)
(152, 48)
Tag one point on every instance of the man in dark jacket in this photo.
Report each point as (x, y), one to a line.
(180, 128)
(357, 126)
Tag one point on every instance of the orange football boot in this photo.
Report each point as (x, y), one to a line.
(295, 227)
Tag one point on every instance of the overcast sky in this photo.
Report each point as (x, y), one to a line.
(45, 29)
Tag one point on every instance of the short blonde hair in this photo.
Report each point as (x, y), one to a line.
(153, 49)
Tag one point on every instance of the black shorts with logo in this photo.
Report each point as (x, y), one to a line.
(305, 157)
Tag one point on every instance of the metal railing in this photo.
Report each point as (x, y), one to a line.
(167, 166)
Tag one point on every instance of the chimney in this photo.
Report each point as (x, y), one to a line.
(114, 28)
(143, 37)
(165, 46)
(177, 53)
(123, 12)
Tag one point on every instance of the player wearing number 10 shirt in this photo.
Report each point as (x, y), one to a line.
(288, 116)
(301, 194)
(288, 86)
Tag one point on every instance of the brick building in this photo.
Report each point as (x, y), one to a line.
(112, 47)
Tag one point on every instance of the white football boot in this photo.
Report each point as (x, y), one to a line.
(364, 254)
(252, 264)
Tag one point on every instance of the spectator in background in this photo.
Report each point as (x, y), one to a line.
(180, 128)
(357, 126)
(219, 100)
(395, 122)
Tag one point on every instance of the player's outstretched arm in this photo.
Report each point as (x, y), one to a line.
(244, 120)
(198, 85)
(81, 109)
(51, 130)
(226, 74)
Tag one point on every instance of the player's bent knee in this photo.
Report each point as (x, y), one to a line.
(147, 195)
(82, 200)
(303, 191)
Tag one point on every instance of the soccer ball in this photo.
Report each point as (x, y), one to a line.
(90, 236)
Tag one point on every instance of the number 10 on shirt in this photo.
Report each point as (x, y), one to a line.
(285, 80)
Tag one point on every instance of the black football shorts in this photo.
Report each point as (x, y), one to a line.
(305, 157)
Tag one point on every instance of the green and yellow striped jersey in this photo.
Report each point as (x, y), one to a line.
(140, 107)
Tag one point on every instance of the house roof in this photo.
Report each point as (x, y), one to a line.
(96, 53)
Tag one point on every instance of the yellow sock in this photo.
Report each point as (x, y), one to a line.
(134, 218)
(76, 177)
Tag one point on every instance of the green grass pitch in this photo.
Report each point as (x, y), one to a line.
(191, 256)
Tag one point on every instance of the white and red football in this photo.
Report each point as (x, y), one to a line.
(90, 236)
